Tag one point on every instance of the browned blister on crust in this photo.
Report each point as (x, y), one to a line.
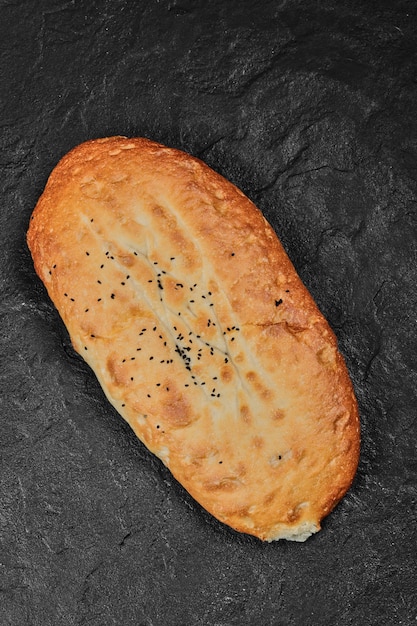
(180, 297)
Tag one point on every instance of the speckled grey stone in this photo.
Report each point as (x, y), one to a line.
(310, 108)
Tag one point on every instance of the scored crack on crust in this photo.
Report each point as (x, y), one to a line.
(179, 295)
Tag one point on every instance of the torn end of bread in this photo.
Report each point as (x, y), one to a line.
(179, 295)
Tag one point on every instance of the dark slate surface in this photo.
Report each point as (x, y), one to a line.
(310, 108)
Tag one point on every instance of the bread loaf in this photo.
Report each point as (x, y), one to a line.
(179, 295)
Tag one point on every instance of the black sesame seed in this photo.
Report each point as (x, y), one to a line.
(112, 296)
(278, 302)
(87, 253)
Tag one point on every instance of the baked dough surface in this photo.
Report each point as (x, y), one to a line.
(179, 295)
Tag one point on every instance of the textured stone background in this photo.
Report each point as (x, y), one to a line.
(310, 108)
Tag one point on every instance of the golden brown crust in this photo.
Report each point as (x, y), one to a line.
(179, 295)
